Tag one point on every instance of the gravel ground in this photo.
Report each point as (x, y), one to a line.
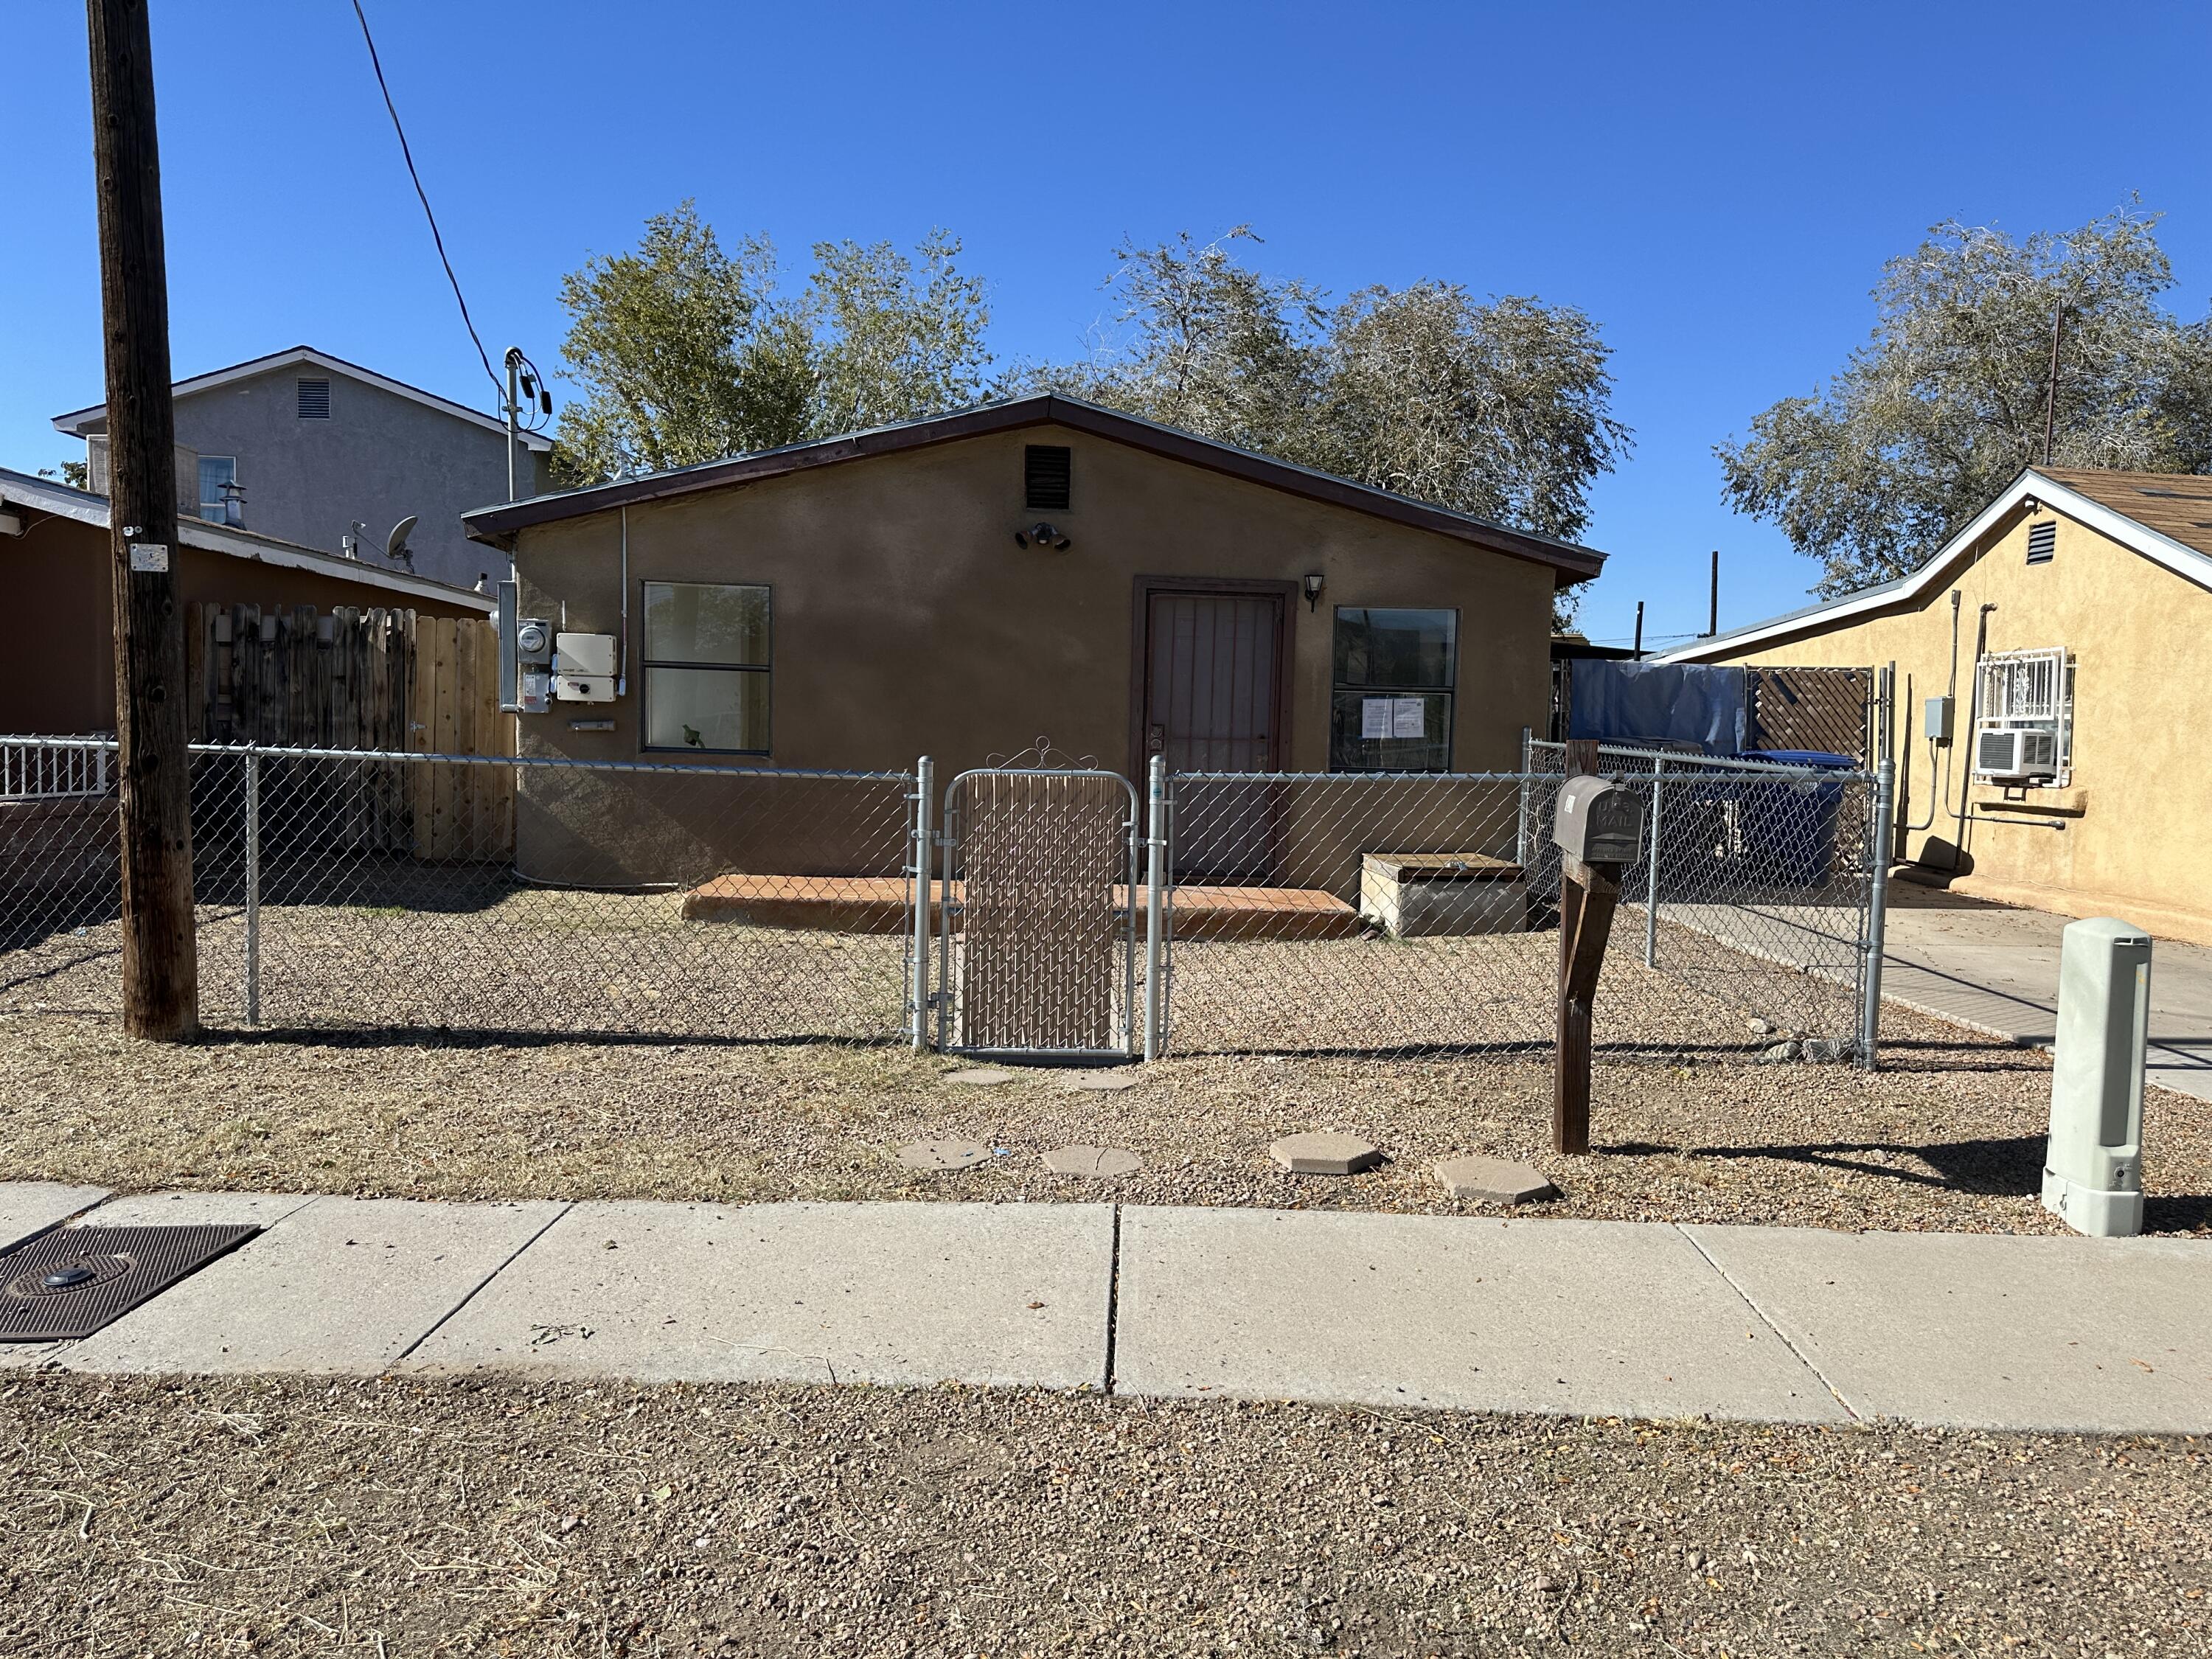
(398, 1518)
(1948, 1137)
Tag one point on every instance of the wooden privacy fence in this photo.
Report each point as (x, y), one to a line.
(361, 678)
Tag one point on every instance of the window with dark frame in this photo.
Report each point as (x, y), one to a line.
(706, 667)
(314, 394)
(1047, 476)
(1390, 702)
(219, 501)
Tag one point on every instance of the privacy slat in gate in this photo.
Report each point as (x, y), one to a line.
(1043, 962)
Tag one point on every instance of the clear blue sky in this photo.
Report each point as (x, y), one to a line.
(1717, 185)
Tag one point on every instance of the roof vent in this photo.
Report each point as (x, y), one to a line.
(1047, 471)
(314, 399)
(2043, 542)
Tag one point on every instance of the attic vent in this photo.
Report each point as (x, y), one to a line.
(2042, 541)
(1046, 470)
(314, 399)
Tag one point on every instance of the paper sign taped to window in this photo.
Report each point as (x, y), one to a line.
(1408, 717)
(152, 557)
(1375, 716)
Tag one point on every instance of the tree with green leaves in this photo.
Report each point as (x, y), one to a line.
(688, 353)
(1500, 409)
(1872, 472)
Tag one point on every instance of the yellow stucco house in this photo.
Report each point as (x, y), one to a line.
(2070, 627)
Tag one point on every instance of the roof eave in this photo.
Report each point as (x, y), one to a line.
(2109, 522)
(497, 525)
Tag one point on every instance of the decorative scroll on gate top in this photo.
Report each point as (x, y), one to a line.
(1039, 757)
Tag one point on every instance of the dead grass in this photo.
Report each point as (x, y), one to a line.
(1948, 1136)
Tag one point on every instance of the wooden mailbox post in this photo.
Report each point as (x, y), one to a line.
(1599, 827)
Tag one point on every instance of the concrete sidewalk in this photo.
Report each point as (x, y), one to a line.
(1996, 969)
(1580, 1317)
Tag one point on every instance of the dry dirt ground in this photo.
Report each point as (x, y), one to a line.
(402, 1518)
(1948, 1136)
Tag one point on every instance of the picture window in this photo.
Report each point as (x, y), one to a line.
(706, 668)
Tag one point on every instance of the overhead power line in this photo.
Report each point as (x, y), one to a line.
(408, 155)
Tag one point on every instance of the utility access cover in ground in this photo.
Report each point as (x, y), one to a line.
(71, 1282)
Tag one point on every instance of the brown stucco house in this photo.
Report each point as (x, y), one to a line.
(961, 585)
(2067, 626)
(54, 556)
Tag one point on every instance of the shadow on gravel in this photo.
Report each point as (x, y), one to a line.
(433, 1036)
(2007, 1167)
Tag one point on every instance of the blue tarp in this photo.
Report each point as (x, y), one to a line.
(1658, 702)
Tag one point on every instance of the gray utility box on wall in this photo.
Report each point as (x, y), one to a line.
(2092, 1172)
(1442, 895)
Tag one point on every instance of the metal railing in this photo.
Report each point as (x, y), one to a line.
(1272, 912)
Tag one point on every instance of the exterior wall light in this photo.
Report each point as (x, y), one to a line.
(1313, 585)
(1043, 535)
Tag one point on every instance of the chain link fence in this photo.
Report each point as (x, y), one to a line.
(384, 891)
(1409, 914)
(1352, 914)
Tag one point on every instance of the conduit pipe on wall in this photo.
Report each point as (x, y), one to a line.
(1937, 798)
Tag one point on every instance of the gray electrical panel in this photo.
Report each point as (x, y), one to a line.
(1598, 820)
(2092, 1172)
(1936, 720)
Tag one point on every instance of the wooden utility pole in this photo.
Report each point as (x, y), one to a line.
(161, 966)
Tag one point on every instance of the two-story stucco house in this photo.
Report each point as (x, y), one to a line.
(308, 448)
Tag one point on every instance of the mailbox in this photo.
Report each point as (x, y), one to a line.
(1598, 820)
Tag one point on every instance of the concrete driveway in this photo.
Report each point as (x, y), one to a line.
(1996, 969)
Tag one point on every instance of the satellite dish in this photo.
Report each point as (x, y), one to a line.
(395, 544)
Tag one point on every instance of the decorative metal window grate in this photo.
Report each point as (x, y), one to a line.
(314, 399)
(2024, 718)
(2043, 542)
(1048, 474)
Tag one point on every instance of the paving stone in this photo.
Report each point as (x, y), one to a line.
(1493, 1180)
(980, 1077)
(1104, 1083)
(944, 1154)
(1092, 1161)
(1319, 1152)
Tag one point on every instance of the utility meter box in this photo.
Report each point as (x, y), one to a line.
(583, 667)
(1598, 820)
(1935, 721)
(2092, 1172)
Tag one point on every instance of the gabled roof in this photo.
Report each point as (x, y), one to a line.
(302, 356)
(20, 490)
(497, 524)
(2166, 517)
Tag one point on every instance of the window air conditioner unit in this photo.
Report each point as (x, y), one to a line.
(2016, 752)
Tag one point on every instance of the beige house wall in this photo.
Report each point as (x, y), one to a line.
(907, 621)
(2137, 811)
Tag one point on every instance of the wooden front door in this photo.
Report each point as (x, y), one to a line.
(1213, 702)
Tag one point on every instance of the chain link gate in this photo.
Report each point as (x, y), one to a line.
(1037, 947)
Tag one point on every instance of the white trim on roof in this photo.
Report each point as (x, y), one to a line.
(74, 423)
(44, 495)
(2114, 525)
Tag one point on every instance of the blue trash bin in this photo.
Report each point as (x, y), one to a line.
(1795, 820)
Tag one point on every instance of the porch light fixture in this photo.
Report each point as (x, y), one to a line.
(1043, 535)
(1313, 585)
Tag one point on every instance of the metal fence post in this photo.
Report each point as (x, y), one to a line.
(1881, 831)
(925, 782)
(252, 887)
(1156, 885)
(1521, 830)
(1651, 864)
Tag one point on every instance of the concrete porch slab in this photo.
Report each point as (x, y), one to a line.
(1983, 1330)
(1012, 1294)
(340, 1284)
(29, 1207)
(1570, 1316)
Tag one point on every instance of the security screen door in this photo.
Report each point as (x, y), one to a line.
(1212, 704)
